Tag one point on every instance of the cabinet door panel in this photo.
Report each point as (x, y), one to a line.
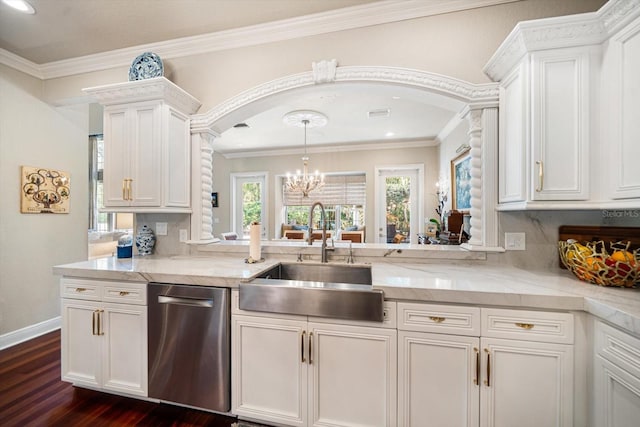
(353, 376)
(512, 143)
(81, 348)
(146, 150)
(125, 359)
(268, 373)
(436, 384)
(528, 384)
(560, 125)
(116, 156)
(177, 179)
(616, 396)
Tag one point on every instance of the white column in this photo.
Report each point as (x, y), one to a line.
(202, 185)
(483, 139)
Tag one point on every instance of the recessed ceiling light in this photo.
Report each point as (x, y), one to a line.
(395, 97)
(20, 5)
(388, 134)
(382, 112)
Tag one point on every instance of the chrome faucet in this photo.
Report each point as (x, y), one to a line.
(323, 218)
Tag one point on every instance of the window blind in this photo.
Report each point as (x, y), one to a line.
(337, 190)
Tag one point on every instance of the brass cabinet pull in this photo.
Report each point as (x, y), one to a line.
(81, 289)
(476, 380)
(124, 293)
(310, 350)
(100, 322)
(526, 326)
(130, 189)
(304, 334)
(487, 382)
(437, 319)
(93, 323)
(124, 189)
(540, 176)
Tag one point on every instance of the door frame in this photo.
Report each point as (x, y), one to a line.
(237, 178)
(416, 223)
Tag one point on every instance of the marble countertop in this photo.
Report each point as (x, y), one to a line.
(486, 285)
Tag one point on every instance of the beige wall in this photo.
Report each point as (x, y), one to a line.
(33, 133)
(342, 161)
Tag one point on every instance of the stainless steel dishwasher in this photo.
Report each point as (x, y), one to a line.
(189, 345)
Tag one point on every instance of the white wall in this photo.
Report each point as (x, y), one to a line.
(33, 133)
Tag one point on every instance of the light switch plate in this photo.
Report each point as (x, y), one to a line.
(514, 241)
(183, 235)
(161, 228)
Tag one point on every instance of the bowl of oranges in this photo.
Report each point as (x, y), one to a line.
(612, 264)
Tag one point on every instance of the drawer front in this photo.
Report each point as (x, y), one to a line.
(80, 289)
(389, 321)
(125, 292)
(542, 326)
(443, 319)
(617, 347)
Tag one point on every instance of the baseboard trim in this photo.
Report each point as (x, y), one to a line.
(16, 337)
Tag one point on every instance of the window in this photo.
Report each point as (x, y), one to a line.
(343, 198)
(98, 221)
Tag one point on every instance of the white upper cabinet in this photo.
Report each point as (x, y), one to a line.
(147, 145)
(568, 117)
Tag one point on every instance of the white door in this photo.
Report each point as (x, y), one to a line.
(352, 376)
(124, 332)
(81, 345)
(146, 155)
(269, 370)
(399, 203)
(526, 384)
(438, 380)
(249, 202)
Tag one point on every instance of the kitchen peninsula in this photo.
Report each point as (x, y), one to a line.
(431, 306)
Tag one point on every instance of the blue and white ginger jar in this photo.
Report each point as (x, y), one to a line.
(145, 241)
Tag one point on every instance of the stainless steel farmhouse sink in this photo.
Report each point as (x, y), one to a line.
(326, 290)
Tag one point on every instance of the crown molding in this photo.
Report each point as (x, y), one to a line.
(560, 32)
(349, 18)
(19, 63)
(144, 90)
(367, 146)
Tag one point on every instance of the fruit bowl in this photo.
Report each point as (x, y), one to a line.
(592, 262)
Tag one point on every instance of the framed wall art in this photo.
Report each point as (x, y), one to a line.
(44, 190)
(461, 182)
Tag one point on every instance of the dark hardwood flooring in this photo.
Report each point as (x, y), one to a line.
(32, 394)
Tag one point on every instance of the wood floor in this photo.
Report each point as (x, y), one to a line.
(31, 394)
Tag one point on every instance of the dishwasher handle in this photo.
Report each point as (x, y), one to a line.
(193, 302)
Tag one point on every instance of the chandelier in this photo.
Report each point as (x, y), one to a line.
(303, 181)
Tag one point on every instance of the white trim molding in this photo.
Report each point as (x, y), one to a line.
(377, 13)
(563, 31)
(21, 335)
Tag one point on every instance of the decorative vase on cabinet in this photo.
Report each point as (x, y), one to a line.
(145, 240)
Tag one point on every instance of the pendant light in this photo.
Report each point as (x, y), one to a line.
(303, 181)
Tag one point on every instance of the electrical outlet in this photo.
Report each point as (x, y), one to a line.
(216, 220)
(514, 241)
(161, 228)
(183, 235)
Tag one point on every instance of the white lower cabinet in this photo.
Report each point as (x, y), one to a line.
(104, 344)
(616, 370)
(295, 372)
(489, 380)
